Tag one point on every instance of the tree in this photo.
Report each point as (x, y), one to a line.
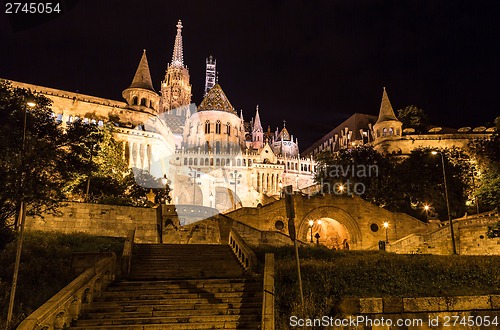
(486, 154)
(106, 171)
(413, 117)
(36, 163)
(359, 170)
(427, 188)
(392, 182)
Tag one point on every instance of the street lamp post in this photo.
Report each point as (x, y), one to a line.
(434, 152)
(311, 223)
(236, 177)
(386, 226)
(165, 181)
(88, 176)
(194, 175)
(426, 208)
(21, 221)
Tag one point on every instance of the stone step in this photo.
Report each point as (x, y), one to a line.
(194, 282)
(180, 326)
(173, 313)
(168, 320)
(180, 288)
(179, 301)
(165, 294)
(115, 307)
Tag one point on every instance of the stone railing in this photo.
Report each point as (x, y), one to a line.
(244, 254)
(459, 312)
(60, 310)
(268, 293)
(128, 247)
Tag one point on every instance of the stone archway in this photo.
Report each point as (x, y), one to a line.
(336, 229)
(332, 234)
(226, 199)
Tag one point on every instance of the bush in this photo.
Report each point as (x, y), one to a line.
(45, 267)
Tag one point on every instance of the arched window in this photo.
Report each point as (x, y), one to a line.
(384, 132)
(207, 127)
(185, 161)
(228, 129)
(217, 127)
(195, 161)
(143, 101)
(134, 100)
(217, 162)
(217, 147)
(190, 161)
(201, 162)
(391, 131)
(238, 162)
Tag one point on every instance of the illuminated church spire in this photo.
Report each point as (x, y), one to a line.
(257, 131)
(177, 56)
(175, 88)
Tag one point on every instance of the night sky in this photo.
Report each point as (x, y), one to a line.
(313, 63)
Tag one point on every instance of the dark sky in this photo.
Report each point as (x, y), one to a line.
(313, 63)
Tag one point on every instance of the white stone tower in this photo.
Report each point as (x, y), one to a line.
(211, 74)
(387, 127)
(140, 95)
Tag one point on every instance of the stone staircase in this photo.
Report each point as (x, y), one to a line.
(173, 286)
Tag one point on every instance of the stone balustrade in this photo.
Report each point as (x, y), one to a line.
(60, 310)
(244, 254)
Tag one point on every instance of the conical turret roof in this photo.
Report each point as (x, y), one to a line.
(142, 78)
(386, 112)
(216, 100)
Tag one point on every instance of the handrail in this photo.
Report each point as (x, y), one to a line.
(242, 251)
(128, 247)
(268, 294)
(60, 310)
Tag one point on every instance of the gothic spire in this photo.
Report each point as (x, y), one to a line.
(177, 56)
(386, 112)
(142, 78)
(257, 126)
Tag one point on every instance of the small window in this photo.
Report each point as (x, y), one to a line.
(207, 127)
(279, 225)
(217, 127)
(374, 227)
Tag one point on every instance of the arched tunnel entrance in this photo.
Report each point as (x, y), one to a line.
(328, 232)
(330, 227)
